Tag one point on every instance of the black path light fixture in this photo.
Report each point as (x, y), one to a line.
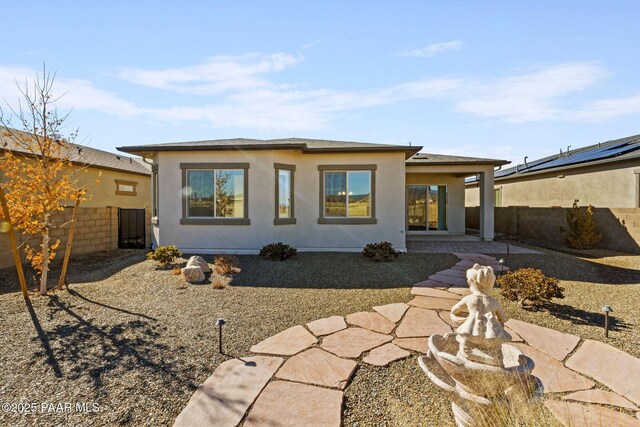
(501, 262)
(220, 323)
(606, 309)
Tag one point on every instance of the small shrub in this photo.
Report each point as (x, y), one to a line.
(582, 233)
(165, 255)
(382, 251)
(226, 264)
(176, 271)
(218, 281)
(529, 285)
(278, 251)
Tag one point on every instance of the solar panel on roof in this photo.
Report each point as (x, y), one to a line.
(588, 156)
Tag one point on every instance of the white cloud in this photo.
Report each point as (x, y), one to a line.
(432, 49)
(533, 96)
(218, 74)
(239, 94)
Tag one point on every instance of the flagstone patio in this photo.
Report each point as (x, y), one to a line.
(302, 373)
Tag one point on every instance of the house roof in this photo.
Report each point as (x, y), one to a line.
(304, 144)
(84, 155)
(420, 159)
(613, 151)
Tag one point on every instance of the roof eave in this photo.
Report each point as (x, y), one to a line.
(458, 163)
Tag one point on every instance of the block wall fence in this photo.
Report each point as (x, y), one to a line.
(620, 226)
(96, 230)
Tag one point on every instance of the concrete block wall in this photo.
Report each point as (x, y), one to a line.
(96, 230)
(620, 226)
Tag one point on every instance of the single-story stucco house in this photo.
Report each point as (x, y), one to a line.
(236, 195)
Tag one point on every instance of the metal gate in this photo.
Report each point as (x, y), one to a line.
(131, 229)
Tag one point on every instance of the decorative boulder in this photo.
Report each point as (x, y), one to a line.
(200, 262)
(193, 274)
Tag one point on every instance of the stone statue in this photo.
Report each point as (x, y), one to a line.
(474, 365)
(481, 333)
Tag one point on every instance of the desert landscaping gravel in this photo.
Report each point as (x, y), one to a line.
(125, 337)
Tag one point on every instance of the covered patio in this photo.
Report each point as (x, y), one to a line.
(435, 197)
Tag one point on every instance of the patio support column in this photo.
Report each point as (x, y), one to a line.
(442, 207)
(486, 206)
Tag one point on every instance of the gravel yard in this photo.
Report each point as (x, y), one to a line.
(126, 338)
(589, 283)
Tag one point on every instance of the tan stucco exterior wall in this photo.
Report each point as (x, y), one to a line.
(104, 193)
(306, 234)
(455, 190)
(601, 186)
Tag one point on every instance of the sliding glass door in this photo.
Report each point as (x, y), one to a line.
(427, 207)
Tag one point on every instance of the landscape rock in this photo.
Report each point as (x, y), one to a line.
(433, 303)
(414, 344)
(200, 262)
(193, 274)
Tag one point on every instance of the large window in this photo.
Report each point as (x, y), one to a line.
(284, 200)
(215, 193)
(347, 194)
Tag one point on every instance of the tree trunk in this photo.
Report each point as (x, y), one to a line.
(45, 256)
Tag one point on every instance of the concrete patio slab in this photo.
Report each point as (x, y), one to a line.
(327, 326)
(288, 404)
(386, 354)
(225, 396)
(419, 322)
(574, 415)
(318, 367)
(287, 342)
(352, 342)
(372, 321)
(614, 368)
(393, 312)
(554, 343)
(552, 373)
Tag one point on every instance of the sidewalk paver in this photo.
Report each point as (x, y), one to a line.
(287, 342)
(386, 354)
(574, 414)
(318, 367)
(352, 342)
(612, 367)
(419, 322)
(327, 326)
(556, 344)
(393, 312)
(603, 397)
(288, 404)
(371, 320)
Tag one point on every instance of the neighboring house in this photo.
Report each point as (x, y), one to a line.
(603, 175)
(118, 211)
(237, 195)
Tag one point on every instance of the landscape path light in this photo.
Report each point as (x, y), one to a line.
(606, 310)
(220, 323)
(501, 262)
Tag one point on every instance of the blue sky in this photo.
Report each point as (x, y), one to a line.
(485, 79)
